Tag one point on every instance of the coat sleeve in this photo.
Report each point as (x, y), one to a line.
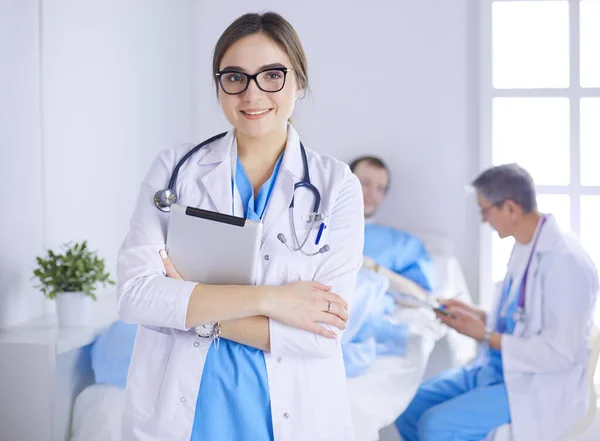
(145, 296)
(338, 268)
(569, 291)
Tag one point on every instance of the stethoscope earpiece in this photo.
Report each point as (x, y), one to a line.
(321, 250)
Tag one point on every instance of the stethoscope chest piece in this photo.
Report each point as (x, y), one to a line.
(163, 199)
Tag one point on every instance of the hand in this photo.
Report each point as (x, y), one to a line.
(369, 263)
(465, 322)
(457, 304)
(170, 269)
(304, 305)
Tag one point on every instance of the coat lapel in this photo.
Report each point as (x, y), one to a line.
(217, 181)
(548, 235)
(290, 172)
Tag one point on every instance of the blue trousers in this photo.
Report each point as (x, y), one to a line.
(463, 404)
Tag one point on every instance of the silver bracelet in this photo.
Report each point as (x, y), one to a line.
(487, 337)
(217, 335)
(212, 331)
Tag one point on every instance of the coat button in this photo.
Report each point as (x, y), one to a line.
(286, 415)
(279, 359)
(196, 344)
(182, 399)
(267, 257)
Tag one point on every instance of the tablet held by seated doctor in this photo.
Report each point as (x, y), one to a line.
(277, 371)
(531, 370)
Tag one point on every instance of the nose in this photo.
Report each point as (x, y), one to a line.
(252, 92)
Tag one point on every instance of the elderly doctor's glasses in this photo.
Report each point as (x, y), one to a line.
(270, 80)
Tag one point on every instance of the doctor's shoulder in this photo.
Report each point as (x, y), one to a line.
(569, 254)
(164, 163)
(332, 173)
(572, 245)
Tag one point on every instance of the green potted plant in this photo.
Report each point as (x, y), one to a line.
(71, 277)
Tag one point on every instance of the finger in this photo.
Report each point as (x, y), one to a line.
(320, 286)
(459, 314)
(320, 330)
(331, 319)
(334, 298)
(449, 302)
(338, 310)
(450, 316)
(171, 271)
(448, 321)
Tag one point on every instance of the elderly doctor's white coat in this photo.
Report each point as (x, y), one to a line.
(545, 360)
(306, 372)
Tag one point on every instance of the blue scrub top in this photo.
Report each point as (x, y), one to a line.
(504, 325)
(400, 252)
(234, 403)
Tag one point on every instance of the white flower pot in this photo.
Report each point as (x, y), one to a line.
(73, 308)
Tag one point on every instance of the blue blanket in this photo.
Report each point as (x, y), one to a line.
(371, 330)
(400, 252)
(111, 354)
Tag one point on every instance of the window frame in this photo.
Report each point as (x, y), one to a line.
(487, 94)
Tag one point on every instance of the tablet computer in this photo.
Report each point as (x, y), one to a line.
(213, 248)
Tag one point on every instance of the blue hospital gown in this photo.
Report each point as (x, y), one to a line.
(400, 252)
(234, 403)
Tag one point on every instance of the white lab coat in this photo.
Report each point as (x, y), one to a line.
(306, 373)
(545, 359)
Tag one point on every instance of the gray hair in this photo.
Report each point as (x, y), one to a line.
(507, 182)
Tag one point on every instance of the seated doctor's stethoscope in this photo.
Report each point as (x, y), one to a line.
(246, 362)
(532, 366)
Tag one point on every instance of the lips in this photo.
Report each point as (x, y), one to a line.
(254, 114)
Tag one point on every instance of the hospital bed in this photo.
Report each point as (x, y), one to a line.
(377, 397)
(382, 393)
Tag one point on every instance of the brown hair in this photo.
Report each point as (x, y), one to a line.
(374, 161)
(273, 26)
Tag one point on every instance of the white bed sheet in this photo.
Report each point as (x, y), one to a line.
(381, 394)
(384, 391)
(97, 414)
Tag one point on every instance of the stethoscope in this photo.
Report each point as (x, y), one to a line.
(519, 315)
(163, 199)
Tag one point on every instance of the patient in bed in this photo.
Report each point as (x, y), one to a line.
(395, 262)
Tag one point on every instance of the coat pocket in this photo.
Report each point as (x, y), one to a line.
(149, 362)
(329, 397)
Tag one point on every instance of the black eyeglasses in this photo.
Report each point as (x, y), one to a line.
(485, 210)
(269, 80)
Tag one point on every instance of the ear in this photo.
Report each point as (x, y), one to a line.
(514, 210)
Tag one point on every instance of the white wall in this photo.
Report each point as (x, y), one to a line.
(393, 78)
(122, 80)
(116, 82)
(21, 224)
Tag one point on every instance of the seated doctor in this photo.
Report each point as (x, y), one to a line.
(531, 371)
(246, 363)
(385, 246)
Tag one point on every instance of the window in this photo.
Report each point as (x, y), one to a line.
(540, 107)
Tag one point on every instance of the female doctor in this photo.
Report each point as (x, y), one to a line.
(264, 362)
(531, 372)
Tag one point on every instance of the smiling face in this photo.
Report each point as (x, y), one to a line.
(374, 181)
(255, 112)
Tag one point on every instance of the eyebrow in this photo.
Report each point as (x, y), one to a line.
(265, 67)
